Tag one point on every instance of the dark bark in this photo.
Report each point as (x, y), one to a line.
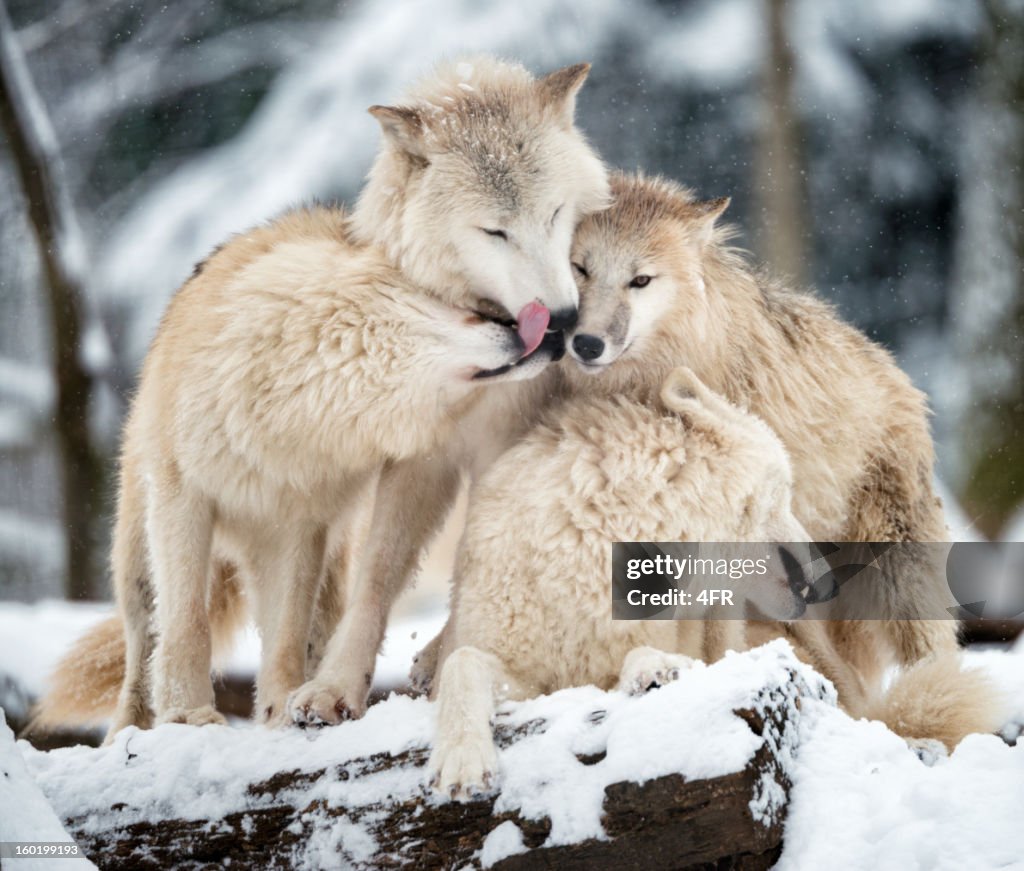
(37, 168)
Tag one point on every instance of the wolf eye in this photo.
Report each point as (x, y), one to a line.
(497, 234)
(554, 217)
(583, 272)
(640, 281)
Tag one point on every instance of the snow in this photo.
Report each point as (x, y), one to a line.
(504, 841)
(194, 773)
(863, 800)
(721, 45)
(25, 814)
(860, 797)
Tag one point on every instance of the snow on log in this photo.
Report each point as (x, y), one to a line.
(695, 774)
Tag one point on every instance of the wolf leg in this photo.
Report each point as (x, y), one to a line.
(134, 591)
(720, 636)
(287, 592)
(424, 663)
(413, 499)
(464, 761)
(180, 530)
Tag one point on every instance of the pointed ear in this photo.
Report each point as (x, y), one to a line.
(559, 90)
(403, 129)
(706, 215)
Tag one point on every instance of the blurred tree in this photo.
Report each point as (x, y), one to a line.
(780, 184)
(989, 308)
(34, 152)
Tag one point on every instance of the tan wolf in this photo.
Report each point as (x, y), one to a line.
(654, 270)
(659, 289)
(326, 362)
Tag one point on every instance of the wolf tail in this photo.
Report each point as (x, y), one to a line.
(937, 699)
(84, 686)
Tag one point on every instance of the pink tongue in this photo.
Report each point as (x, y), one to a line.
(533, 322)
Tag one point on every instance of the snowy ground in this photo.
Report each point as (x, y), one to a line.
(860, 798)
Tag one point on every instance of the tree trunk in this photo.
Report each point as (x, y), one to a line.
(780, 189)
(33, 149)
(988, 311)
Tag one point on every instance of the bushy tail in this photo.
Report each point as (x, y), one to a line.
(84, 686)
(940, 700)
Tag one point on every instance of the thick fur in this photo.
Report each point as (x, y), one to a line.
(323, 364)
(87, 681)
(856, 431)
(530, 612)
(855, 428)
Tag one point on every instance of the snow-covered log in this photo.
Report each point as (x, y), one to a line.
(695, 774)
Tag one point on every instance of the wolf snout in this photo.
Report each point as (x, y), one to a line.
(563, 319)
(587, 347)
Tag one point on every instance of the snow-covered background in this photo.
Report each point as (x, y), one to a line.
(181, 123)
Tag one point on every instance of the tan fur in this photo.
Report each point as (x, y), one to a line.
(855, 428)
(323, 363)
(940, 700)
(85, 684)
(530, 611)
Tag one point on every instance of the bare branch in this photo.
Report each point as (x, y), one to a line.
(33, 147)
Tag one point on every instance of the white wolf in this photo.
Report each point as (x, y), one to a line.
(305, 361)
(531, 611)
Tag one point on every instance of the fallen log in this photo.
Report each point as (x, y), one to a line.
(693, 775)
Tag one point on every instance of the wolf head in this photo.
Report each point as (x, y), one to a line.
(478, 188)
(639, 270)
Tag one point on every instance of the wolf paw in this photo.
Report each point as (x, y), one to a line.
(465, 769)
(320, 704)
(205, 716)
(273, 713)
(646, 668)
(928, 750)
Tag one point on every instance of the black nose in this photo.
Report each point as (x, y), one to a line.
(563, 319)
(588, 347)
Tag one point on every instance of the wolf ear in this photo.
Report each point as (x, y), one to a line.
(559, 90)
(403, 128)
(706, 215)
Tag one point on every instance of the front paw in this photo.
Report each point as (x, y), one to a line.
(464, 769)
(204, 716)
(273, 713)
(646, 668)
(321, 704)
(928, 750)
